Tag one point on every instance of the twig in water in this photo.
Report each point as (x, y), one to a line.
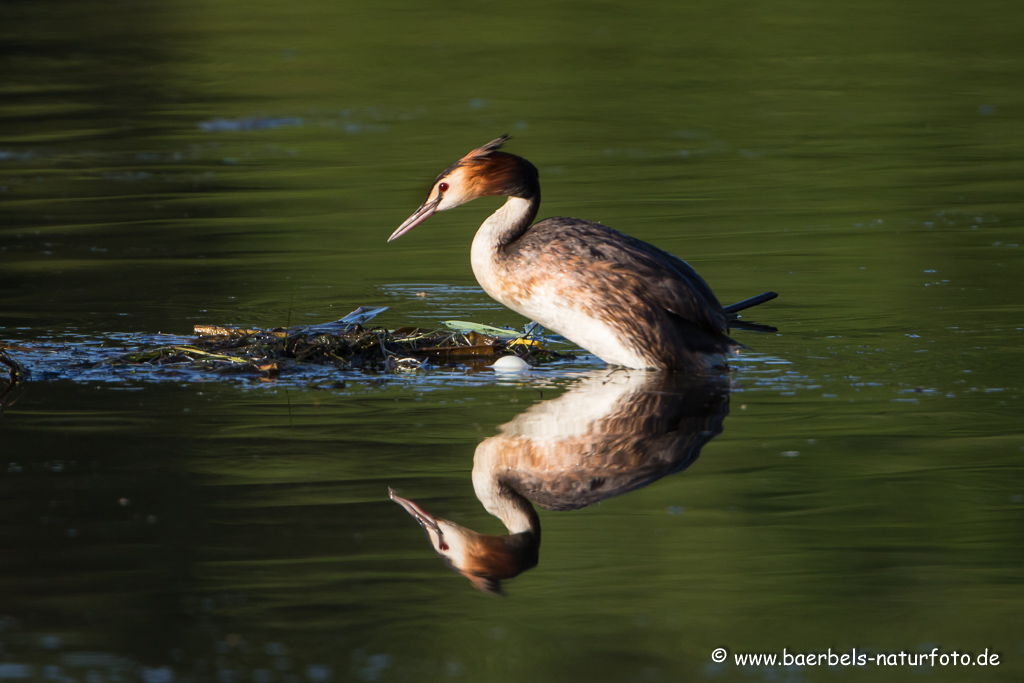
(17, 376)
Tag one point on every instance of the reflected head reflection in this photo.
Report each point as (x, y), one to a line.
(610, 434)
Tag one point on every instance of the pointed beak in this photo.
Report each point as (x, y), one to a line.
(422, 214)
(425, 519)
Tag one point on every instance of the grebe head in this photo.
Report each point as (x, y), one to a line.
(482, 558)
(483, 172)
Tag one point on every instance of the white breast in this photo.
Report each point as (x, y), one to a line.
(549, 301)
(556, 312)
(546, 304)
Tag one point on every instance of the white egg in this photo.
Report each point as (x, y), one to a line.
(510, 364)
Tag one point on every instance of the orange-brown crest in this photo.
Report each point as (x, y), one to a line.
(474, 159)
(494, 174)
(492, 557)
(485, 171)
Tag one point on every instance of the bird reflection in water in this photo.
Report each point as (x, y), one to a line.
(610, 434)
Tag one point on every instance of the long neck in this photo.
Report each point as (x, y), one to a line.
(508, 223)
(497, 497)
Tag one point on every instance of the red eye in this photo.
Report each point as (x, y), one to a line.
(443, 187)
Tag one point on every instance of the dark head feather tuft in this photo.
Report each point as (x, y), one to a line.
(492, 146)
(486, 584)
(477, 155)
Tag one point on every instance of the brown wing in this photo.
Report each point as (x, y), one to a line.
(629, 265)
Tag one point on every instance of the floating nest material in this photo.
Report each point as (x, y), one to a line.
(16, 374)
(345, 344)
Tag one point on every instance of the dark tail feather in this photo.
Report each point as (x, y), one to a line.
(732, 313)
(732, 309)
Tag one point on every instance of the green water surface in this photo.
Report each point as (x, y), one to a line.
(165, 164)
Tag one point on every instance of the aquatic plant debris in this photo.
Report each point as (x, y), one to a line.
(489, 330)
(375, 349)
(298, 355)
(345, 344)
(16, 374)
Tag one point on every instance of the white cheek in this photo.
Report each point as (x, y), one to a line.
(451, 199)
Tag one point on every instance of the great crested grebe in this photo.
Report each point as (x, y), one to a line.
(626, 301)
(612, 433)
